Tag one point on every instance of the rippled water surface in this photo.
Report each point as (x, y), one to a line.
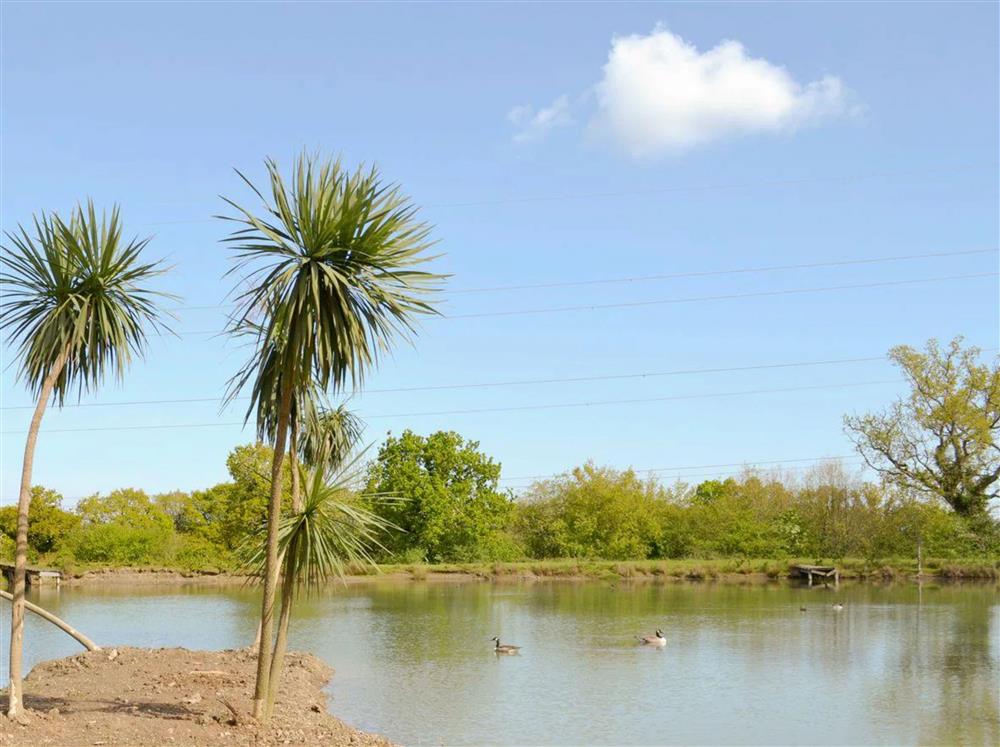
(742, 665)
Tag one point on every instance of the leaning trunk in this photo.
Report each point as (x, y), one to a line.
(64, 626)
(271, 562)
(15, 708)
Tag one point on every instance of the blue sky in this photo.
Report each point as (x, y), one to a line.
(548, 144)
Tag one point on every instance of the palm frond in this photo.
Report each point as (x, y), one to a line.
(326, 538)
(327, 278)
(78, 288)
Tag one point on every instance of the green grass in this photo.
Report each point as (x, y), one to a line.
(680, 569)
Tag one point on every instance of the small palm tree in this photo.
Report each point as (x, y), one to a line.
(78, 307)
(328, 281)
(319, 542)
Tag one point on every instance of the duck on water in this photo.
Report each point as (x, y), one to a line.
(503, 648)
(658, 639)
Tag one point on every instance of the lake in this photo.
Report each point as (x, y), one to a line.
(900, 664)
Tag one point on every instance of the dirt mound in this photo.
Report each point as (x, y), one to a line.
(136, 696)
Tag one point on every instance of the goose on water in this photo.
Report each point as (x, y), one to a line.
(654, 640)
(504, 648)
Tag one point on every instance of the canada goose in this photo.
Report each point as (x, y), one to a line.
(654, 640)
(838, 606)
(802, 609)
(504, 648)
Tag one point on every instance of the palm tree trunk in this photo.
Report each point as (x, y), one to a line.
(293, 463)
(271, 566)
(287, 582)
(281, 641)
(15, 709)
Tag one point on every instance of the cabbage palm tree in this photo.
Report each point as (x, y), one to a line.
(77, 305)
(327, 279)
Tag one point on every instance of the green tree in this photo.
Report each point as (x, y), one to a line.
(327, 284)
(942, 439)
(50, 528)
(450, 507)
(595, 512)
(124, 527)
(76, 304)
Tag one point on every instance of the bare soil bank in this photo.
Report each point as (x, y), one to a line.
(722, 571)
(143, 697)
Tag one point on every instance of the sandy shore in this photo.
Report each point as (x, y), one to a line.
(146, 697)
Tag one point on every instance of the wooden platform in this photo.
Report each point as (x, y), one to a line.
(825, 572)
(33, 575)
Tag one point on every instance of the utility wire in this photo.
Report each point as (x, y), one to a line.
(721, 297)
(743, 465)
(677, 188)
(519, 408)
(666, 301)
(512, 382)
(679, 275)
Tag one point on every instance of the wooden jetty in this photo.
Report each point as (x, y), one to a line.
(825, 572)
(33, 575)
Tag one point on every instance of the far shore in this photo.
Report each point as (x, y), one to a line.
(717, 570)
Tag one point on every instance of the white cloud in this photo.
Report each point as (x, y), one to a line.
(659, 94)
(534, 125)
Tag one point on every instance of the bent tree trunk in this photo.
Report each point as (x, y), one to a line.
(271, 562)
(14, 706)
(64, 626)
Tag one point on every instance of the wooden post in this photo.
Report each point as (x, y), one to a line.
(810, 574)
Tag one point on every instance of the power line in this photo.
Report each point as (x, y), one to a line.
(519, 408)
(744, 465)
(513, 382)
(844, 178)
(714, 273)
(721, 297)
(679, 275)
(667, 301)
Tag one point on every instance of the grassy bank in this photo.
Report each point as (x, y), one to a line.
(715, 569)
(719, 569)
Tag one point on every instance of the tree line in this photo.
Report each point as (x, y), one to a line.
(455, 510)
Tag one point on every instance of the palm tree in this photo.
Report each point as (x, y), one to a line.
(327, 279)
(77, 306)
(319, 542)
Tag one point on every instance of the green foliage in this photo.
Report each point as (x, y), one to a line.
(443, 491)
(450, 506)
(331, 533)
(329, 280)
(245, 500)
(124, 527)
(77, 289)
(593, 512)
(942, 440)
(49, 526)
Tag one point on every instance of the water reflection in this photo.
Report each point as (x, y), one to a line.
(899, 665)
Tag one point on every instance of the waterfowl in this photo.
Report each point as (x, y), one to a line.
(504, 648)
(802, 609)
(838, 606)
(654, 640)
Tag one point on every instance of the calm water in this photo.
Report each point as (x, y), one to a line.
(899, 665)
